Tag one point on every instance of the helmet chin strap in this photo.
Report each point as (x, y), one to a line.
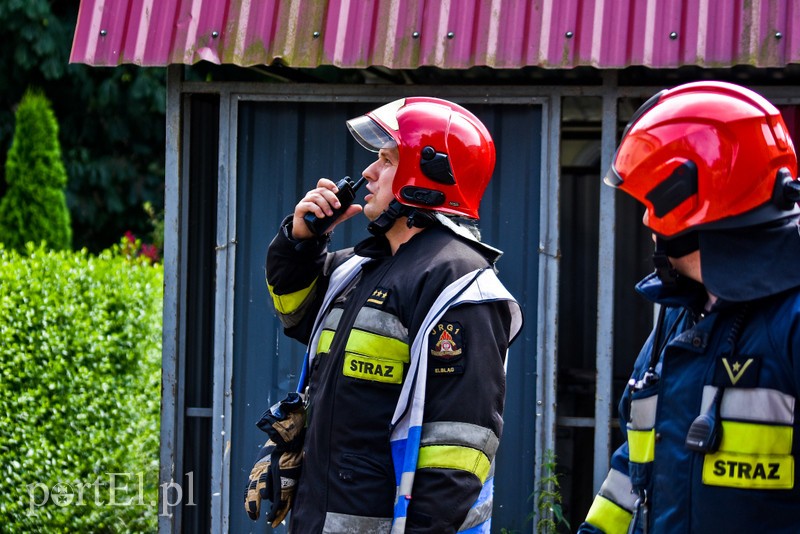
(664, 269)
(416, 218)
(676, 247)
(386, 220)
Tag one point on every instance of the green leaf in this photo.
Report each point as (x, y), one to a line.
(78, 401)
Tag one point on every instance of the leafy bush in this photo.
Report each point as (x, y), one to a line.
(79, 402)
(35, 206)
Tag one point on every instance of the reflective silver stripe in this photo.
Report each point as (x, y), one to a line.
(618, 489)
(477, 515)
(463, 434)
(761, 405)
(643, 413)
(354, 524)
(406, 483)
(399, 526)
(332, 319)
(491, 471)
(381, 323)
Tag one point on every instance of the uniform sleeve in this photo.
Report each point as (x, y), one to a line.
(612, 509)
(613, 506)
(463, 420)
(295, 280)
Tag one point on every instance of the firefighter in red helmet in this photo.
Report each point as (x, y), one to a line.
(398, 413)
(709, 413)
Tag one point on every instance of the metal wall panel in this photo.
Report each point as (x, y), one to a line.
(282, 149)
(406, 34)
(198, 361)
(510, 214)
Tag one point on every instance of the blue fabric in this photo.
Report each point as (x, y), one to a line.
(679, 500)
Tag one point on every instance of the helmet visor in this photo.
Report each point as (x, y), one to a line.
(369, 134)
(612, 177)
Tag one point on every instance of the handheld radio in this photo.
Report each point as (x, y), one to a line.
(346, 195)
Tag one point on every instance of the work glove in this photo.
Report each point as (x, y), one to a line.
(259, 483)
(273, 478)
(285, 422)
(277, 468)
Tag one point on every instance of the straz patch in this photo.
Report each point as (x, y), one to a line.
(374, 369)
(446, 345)
(737, 371)
(751, 471)
(378, 297)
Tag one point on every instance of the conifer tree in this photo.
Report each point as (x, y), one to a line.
(34, 207)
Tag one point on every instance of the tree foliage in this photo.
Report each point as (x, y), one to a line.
(34, 207)
(111, 120)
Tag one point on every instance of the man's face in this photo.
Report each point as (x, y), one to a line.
(380, 175)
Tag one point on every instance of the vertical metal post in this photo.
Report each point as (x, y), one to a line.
(549, 258)
(605, 289)
(172, 339)
(223, 311)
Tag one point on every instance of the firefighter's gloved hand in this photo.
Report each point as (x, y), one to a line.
(285, 468)
(273, 478)
(259, 484)
(285, 422)
(277, 469)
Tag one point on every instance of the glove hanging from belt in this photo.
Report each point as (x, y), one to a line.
(278, 464)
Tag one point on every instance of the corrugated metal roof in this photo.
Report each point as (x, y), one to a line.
(405, 34)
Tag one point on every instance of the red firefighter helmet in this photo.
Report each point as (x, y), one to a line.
(706, 155)
(446, 153)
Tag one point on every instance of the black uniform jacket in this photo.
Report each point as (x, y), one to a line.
(347, 469)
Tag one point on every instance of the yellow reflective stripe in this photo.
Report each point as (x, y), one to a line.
(386, 371)
(608, 516)
(752, 438)
(455, 457)
(286, 304)
(642, 445)
(325, 339)
(751, 471)
(374, 345)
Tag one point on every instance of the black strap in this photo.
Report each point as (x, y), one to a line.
(659, 339)
(386, 220)
(417, 218)
(664, 269)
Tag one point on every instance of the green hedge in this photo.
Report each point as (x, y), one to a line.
(79, 392)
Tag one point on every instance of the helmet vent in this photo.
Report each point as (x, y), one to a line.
(436, 166)
(672, 192)
(420, 195)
